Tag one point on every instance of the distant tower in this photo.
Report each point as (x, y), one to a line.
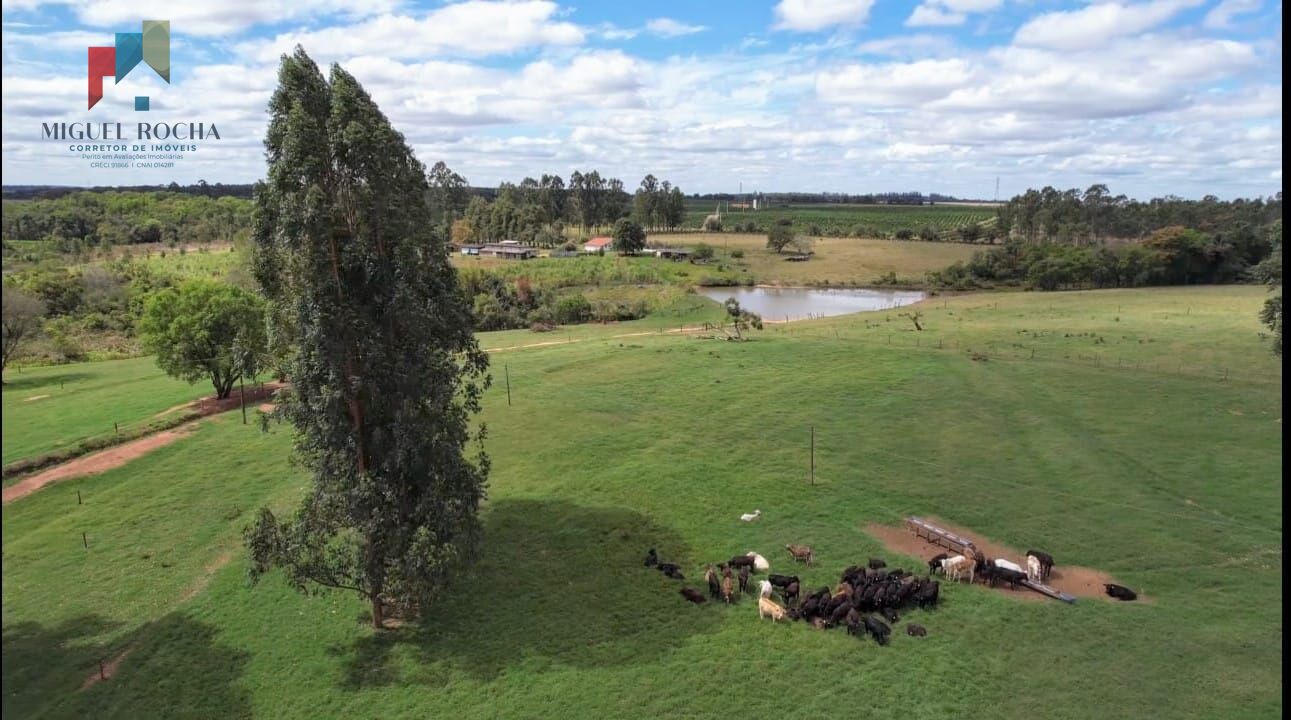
(997, 188)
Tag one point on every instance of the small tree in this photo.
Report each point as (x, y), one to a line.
(741, 320)
(780, 235)
(703, 251)
(22, 314)
(803, 244)
(205, 329)
(629, 236)
(970, 233)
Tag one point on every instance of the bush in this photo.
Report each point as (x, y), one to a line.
(737, 253)
(905, 234)
(573, 309)
(703, 251)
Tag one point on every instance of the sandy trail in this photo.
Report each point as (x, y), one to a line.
(95, 463)
(1073, 580)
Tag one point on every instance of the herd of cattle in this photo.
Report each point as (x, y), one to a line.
(864, 598)
(864, 594)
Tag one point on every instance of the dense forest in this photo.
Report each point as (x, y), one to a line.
(82, 220)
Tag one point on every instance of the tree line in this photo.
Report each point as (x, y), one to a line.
(1095, 215)
(539, 211)
(82, 220)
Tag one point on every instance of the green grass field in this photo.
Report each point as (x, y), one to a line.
(1169, 479)
(52, 407)
(847, 220)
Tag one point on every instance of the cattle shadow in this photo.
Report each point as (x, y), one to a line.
(557, 585)
(175, 667)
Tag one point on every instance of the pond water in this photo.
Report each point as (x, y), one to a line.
(799, 303)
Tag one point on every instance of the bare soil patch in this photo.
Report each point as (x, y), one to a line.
(109, 669)
(209, 405)
(34, 398)
(1071, 579)
(94, 463)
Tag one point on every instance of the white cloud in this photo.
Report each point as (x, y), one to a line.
(927, 15)
(473, 28)
(667, 27)
(893, 84)
(219, 18)
(812, 15)
(1097, 24)
(1221, 16)
(906, 46)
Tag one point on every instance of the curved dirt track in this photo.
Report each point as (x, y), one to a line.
(95, 463)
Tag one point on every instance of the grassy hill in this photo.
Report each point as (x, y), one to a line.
(1152, 468)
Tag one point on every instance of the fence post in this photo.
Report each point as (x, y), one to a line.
(78, 497)
(85, 541)
(507, 370)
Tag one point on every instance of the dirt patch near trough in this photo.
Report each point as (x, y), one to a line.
(1071, 579)
(95, 463)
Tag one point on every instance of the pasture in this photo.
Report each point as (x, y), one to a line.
(838, 261)
(838, 219)
(1167, 478)
(53, 407)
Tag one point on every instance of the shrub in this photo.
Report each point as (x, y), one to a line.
(737, 253)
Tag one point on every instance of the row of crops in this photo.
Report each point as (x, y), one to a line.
(847, 220)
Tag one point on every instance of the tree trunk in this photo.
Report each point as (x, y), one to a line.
(378, 612)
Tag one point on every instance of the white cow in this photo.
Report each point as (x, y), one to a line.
(760, 563)
(764, 588)
(1033, 568)
(953, 566)
(750, 517)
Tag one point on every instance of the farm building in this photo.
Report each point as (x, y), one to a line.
(469, 249)
(508, 251)
(671, 253)
(597, 244)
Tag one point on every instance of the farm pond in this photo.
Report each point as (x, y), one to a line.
(799, 303)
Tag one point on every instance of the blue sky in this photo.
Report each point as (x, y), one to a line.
(1160, 97)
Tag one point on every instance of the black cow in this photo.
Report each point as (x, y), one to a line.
(741, 561)
(744, 579)
(714, 585)
(782, 580)
(790, 593)
(876, 563)
(935, 563)
(854, 623)
(853, 574)
(671, 570)
(1012, 577)
(651, 558)
(1046, 562)
(889, 614)
(877, 629)
(915, 630)
(928, 592)
(1120, 592)
(837, 615)
(692, 595)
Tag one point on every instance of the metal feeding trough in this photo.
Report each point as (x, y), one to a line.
(942, 537)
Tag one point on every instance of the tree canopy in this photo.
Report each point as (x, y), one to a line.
(386, 372)
(629, 236)
(21, 318)
(205, 329)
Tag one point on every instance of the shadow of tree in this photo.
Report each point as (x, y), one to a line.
(557, 584)
(176, 668)
(14, 380)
